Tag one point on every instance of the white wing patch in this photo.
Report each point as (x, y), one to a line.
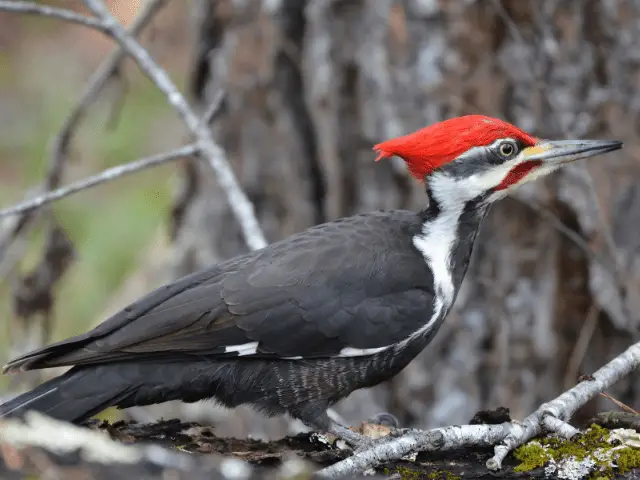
(243, 349)
(359, 352)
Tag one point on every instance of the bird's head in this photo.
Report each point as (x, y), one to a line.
(475, 157)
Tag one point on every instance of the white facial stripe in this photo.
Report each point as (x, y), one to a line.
(480, 183)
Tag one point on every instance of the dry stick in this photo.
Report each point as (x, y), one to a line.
(549, 417)
(14, 226)
(47, 11)
(214, 107)
(208, 149)
(105, 176)
(623, 406)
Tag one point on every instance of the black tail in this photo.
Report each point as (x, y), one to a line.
(74, 396)
(85, 391)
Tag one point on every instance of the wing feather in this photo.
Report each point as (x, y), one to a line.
(354, 283)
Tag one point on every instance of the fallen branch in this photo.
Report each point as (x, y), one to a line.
(551, 417)
(105, 176)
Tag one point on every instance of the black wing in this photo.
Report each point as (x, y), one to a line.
(357, 282)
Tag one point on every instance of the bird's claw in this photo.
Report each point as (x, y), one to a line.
(385, 419)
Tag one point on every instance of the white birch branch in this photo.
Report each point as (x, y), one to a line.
(550, 417)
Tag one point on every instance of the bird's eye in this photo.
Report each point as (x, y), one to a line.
(507, 149)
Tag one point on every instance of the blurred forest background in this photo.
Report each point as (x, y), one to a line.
(311, 85)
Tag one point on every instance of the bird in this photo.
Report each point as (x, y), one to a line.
(300, 324)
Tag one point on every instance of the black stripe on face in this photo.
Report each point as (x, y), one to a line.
(479, 159)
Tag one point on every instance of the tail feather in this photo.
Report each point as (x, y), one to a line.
(74, 396)
(86, 390)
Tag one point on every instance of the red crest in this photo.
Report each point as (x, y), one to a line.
(433, 146)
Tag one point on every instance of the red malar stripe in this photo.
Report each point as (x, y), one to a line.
(517, 173)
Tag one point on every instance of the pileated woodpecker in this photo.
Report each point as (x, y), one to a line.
(300, 324)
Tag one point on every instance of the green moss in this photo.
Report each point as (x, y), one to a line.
(592, 447)
(531, 455)
(408, 473)
(627, 459)
(443, 475)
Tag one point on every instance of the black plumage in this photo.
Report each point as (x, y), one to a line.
(356, 282)
(336, 285)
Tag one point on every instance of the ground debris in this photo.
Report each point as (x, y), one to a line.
(194, 438)
(40, 447)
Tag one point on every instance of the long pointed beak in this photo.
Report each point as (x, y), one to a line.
(557, 152)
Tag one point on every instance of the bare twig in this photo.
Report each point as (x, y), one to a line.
(622, 405)
(214, 107)
(438, 439)
(104, 176)
(550, 417)
(240, 204)
(581, 345)
(209, 150)
(48, 11)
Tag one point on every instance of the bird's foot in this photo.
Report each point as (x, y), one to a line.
(385, 419)
(376, 430)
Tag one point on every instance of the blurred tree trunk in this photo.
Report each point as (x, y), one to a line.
(312, 85)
